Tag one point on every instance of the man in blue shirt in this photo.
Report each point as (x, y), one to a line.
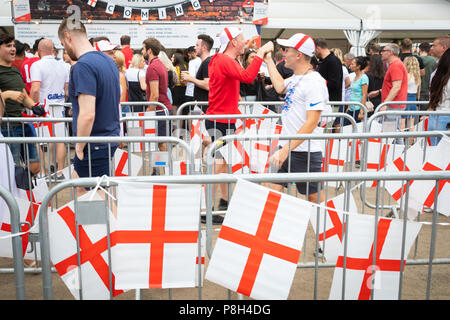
(94, 90)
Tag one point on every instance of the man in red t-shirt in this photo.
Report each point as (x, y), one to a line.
(126, 50)
(157, 82)
(395, 84)
(225, 76)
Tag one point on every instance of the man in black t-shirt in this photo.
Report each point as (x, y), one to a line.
(201, 81)
(407, 52)
(330, 68)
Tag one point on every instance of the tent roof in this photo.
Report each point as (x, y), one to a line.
(348, 14)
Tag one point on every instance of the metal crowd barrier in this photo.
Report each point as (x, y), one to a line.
(260, 178)
(16, 242)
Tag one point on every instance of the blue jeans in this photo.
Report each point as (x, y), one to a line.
(411, 107)
(22, 152)
(435, 123)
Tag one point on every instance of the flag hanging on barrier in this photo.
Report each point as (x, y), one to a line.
(410, 161)
(373, 265)
(124, 161)
(252, 156)
(156, 235)
(380, 154)
(93, 249)
(37, 193)
(258, 247)
(141, 128)
(331, 225)
(29, 217)
(424, 191)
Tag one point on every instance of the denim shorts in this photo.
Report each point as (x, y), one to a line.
(161, 128)
(299, 163)
(99, 160)
(441, 123)
(22, 152)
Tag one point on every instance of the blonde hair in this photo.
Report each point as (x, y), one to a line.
(136, 61)
(166, 61)
(120, 60)
(338, 53)
(413, 69)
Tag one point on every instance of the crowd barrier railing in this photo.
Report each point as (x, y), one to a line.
(259, 178)
(16, 242)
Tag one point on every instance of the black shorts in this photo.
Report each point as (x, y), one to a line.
(299, 163)
(219, 129)
(100, 162)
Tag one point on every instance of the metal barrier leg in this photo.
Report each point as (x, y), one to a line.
(16, 242)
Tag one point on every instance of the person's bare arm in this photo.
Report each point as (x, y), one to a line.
(154, 94)
(204, 84)
(35, 91)
(85, 121)
(275, 76)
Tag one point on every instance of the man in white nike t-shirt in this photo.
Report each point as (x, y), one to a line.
(306, 97)
(49, 81)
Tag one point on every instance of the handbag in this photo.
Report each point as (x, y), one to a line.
(21, 175)
(369, 105)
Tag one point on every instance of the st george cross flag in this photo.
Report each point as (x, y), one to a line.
(95, 270)
(332, 225)
(258, 247)
(125, 161)
(423, 191)
(141, 128)
(156, 235)
(29, 214)
(361, 277)
(380, 154)
(410, 161)
(37, 194)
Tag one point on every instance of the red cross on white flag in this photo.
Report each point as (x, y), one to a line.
(122, 163)
(156, 235)
(331, 225)
(141, 128)
(258, 247)
(423, 191)
(379, 154)
(362, 275)
(93, 245)
(92, 3)
(262, 150)
(29, 214)
(410, 161)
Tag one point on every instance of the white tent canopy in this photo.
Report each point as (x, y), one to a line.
(357, 14)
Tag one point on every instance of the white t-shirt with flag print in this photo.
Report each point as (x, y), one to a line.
(303, 93)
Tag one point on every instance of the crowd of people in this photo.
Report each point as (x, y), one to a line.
(95, 75)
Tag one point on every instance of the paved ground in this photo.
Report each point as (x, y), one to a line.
(306, 285)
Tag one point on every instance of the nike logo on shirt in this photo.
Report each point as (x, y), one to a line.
(314, 104)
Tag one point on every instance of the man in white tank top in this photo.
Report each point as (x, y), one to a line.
(49, 81)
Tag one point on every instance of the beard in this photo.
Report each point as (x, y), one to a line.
(71, 54)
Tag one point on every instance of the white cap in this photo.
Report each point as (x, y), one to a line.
(227, 35)
(105, 45)
(301, 42)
